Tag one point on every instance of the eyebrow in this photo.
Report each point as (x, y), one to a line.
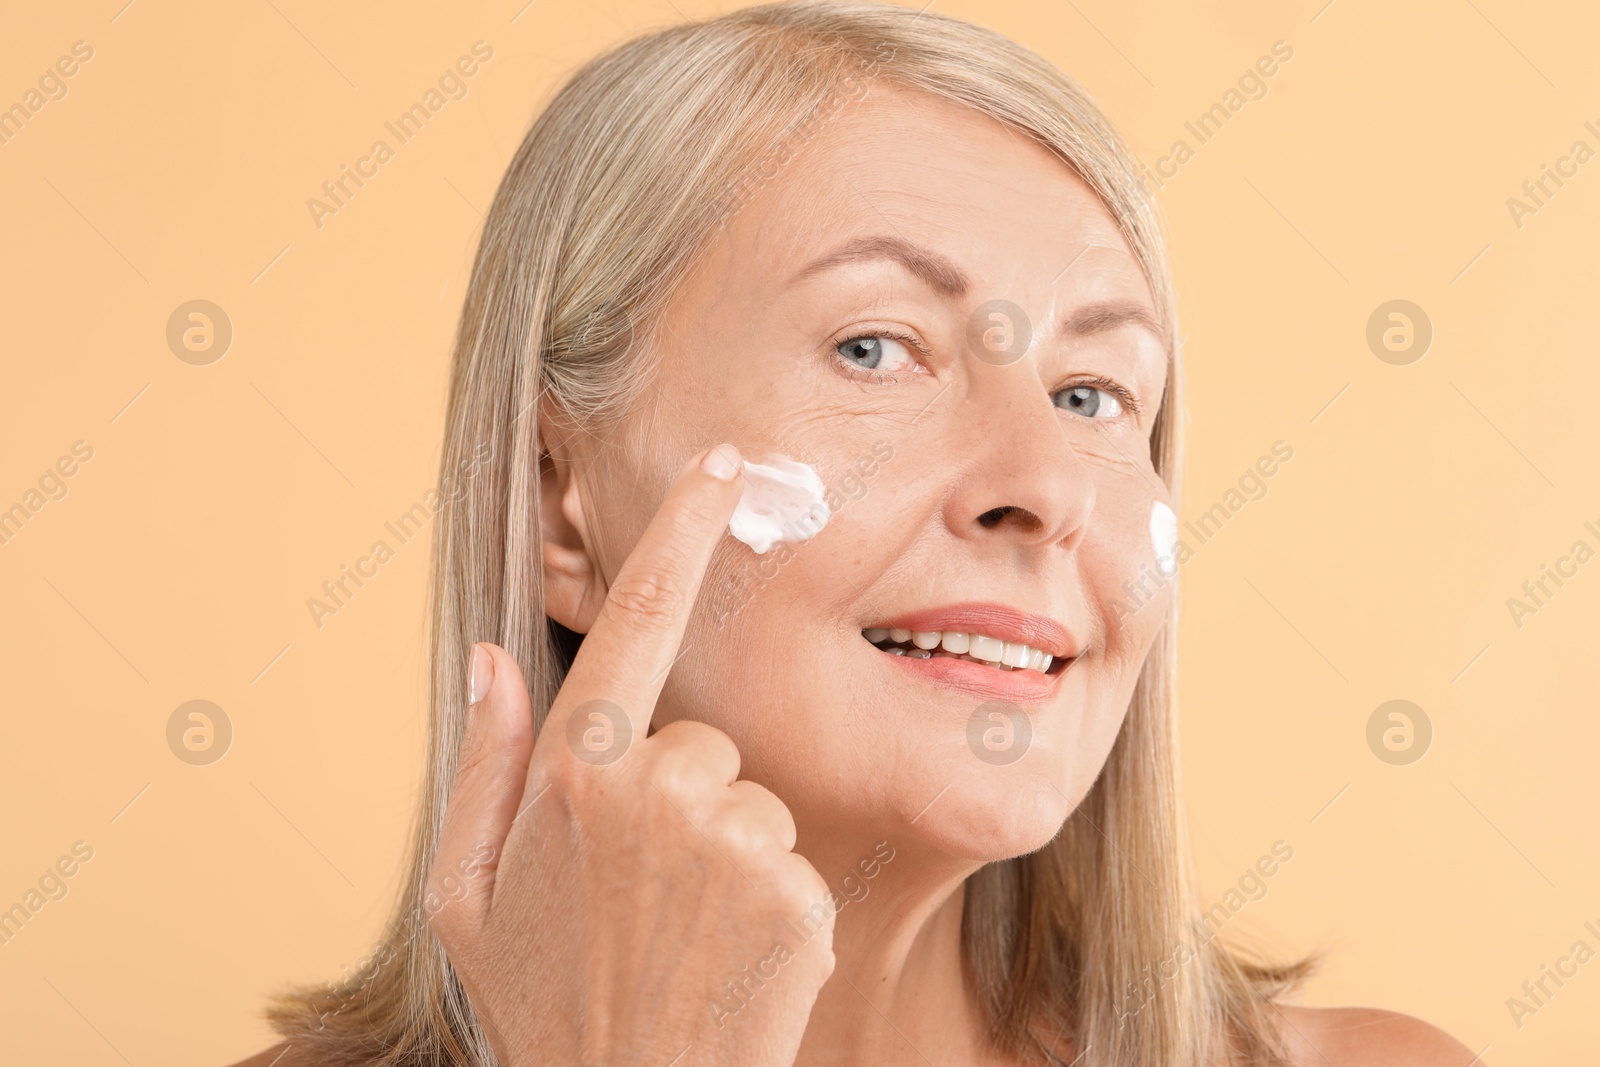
(941, 275)
(1105, 315)
(948, 280)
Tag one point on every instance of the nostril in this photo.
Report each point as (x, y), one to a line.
(993, 516)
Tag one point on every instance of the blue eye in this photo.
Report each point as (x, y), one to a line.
(880, 352)
(1092, 402)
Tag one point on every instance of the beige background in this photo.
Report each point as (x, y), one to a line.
(220, 497)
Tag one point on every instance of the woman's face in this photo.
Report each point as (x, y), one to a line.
(987, 463)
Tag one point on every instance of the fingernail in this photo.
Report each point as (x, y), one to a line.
(480, 676)
(722, 462)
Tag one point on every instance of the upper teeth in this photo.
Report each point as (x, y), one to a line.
(978, 646)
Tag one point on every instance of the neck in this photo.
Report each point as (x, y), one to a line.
(898, 994)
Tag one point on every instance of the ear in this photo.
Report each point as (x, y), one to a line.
(574, 587)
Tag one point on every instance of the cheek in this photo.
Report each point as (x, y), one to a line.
(1129, 561)
(772, 686)
(773, 660)
(757, 637)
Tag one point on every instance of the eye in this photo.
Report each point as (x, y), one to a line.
(1101, 398)
(879, 353)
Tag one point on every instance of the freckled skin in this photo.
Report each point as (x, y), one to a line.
(855, 750)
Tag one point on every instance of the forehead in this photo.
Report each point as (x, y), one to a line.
(1011, 215)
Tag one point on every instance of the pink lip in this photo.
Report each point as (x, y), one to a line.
(989, 683)
(995, 620)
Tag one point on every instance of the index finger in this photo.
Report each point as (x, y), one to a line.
(625, 657)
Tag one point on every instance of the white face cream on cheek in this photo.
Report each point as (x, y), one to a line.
(1164, 538)
(783, 500)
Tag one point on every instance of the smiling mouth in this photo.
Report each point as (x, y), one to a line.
(975, 647)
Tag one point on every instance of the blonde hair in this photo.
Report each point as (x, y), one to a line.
(619, 185)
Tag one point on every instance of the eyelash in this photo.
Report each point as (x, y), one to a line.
(862, 335)
(1110, 386)
(1114, 388)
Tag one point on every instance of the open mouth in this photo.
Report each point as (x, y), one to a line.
(974, 647)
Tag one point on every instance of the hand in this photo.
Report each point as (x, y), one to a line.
(631, 901)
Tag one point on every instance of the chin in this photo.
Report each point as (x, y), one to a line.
(992, 814)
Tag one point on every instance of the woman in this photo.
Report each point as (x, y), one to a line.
(787, 808)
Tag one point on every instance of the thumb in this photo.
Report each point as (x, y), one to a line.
(491, 770)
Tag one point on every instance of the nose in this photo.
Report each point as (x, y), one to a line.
(1020, 480)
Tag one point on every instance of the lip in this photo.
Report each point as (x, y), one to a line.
(975, 679)
(995, 620)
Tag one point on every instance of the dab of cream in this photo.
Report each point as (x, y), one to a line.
(1164, 538)
(782, 501)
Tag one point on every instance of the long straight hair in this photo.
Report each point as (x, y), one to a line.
(621, 182)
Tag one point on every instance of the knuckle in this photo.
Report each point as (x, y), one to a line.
(769, 804)
(799, 890)
(742, 832)
(692, 737)
(813, 890)
(551, 769)
(676, 775)
(558, 779)
(685, 732)
(718, 744)
(647, 599)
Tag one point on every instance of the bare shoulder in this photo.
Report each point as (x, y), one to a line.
(1369, 1037)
